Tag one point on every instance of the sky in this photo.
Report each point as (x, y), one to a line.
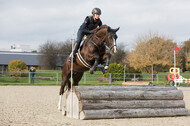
(34, 22)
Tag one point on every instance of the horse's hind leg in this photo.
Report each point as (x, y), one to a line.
(65, 78)
(63, 84)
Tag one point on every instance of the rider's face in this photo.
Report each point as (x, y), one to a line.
(96, 16)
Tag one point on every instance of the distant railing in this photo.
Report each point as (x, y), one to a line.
(54, 78)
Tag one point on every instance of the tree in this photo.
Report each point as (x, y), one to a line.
(156, 51)
(186, 52)
(54, 53)
(64, 50)
(119, 56)
(49, 52)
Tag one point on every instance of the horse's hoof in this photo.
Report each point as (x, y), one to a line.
(59, 110)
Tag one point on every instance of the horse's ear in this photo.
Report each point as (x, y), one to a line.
(109, 29)
(116, 29)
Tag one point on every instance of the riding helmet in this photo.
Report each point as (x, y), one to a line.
(96, 11)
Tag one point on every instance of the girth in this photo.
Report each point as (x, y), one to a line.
(81, 59)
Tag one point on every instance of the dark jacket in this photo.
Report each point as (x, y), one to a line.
(32, 72)
(89, 24)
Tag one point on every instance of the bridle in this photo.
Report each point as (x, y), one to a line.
(105, 43)
(108, 49)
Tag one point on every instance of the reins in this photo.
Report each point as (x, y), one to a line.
(101, 41)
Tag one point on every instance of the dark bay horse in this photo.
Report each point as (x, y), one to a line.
(92, 53)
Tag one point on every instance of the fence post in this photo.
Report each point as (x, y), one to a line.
(84, 78)
(29, 77)
(157, 78)
(110, 78)
(134, 77)
(57, 78)
(124, 73)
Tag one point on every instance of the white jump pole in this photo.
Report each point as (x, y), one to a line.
(71, 101)
(174, 68)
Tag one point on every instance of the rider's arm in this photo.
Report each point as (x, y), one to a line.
(83, 27)
(100, 23)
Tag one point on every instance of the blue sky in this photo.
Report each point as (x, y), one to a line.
(33, 22)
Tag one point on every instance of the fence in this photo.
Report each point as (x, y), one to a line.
(53, 78)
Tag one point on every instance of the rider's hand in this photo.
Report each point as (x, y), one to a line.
(91, 32)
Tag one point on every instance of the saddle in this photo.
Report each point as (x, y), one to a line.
(86, 37)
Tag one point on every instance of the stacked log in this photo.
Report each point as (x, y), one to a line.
(101, 102)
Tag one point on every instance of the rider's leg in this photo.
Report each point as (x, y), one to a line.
(76, 45)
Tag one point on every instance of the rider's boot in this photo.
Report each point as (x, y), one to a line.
(76, 46)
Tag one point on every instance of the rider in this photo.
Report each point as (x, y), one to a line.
(91, 22)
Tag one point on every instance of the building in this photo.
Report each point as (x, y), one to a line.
(31, 59)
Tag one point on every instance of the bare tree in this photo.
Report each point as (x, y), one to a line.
(54, 53)
(48, 57)
(64, 49)
(119, 56)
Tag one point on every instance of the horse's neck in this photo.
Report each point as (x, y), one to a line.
(99, 37)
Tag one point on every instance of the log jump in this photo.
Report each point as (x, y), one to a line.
(106, 102)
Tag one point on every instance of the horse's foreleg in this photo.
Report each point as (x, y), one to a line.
(107, 57)
(93, 68)
(107, 64)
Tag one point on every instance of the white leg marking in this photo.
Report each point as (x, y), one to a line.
(106, 67)
(115, 47)
(60, 102)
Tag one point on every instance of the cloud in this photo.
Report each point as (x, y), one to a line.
(34, 22)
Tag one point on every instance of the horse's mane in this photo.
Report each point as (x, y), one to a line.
(95, 31)
(99, 28)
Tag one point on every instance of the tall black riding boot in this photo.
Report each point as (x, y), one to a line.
(75, 49)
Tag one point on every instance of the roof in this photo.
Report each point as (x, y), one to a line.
(28, 57)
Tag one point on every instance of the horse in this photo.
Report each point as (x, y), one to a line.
(92, 53)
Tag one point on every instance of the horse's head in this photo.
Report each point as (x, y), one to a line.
(107, 36)
(111, 39)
